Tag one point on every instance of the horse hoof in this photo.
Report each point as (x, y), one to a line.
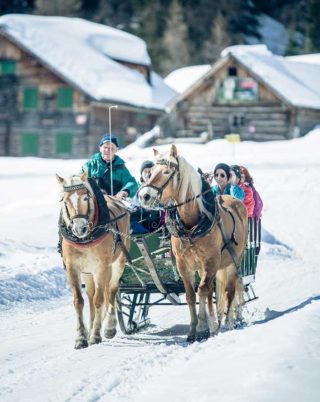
(81, 344)
(110, 333)
(203, 336)
(95, 340)
(215, 328)
(191, 338)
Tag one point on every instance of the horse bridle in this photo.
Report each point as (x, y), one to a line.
(159, 190)
(76, 187)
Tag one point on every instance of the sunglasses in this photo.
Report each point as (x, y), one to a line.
(222, 175)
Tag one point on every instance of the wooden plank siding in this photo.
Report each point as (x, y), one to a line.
(38, 106)
(259, 122)
(268, 117)
(307, 119)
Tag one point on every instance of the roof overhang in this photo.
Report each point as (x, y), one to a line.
(217, 66)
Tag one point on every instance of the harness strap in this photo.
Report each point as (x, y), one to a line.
(119, 241)
(229, 243)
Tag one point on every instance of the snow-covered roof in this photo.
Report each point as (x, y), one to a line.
(84, 53)
(295, 82)
(313, 58)
(182, 78)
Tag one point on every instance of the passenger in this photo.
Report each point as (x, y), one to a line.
(246, 186)
(257, 201)
(222, 175)
(145, 171)
(255, 208)
(235, 179)
(142, 220)
(100, 165)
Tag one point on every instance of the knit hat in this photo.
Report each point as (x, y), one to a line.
(236, 169)
(145, 165)
(224, 167)
(106, 138)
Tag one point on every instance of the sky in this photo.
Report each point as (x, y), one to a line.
(274, 357)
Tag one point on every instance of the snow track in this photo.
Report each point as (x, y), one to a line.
(276, 357)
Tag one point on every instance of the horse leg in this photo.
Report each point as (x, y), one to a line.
(111, 319)
(90, 289)
(212, 316)
(239, 301)
(75, 283)
(230, 294)
(204, 290)
(100, 280)
(221, 300)
(188, 281)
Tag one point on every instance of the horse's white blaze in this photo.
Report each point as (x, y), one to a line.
(74, 198)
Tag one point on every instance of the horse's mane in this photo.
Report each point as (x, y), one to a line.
(190, 184)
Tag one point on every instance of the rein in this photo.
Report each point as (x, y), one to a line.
(102, 222)
(170, 207)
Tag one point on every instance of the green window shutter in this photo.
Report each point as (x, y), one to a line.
(64, 144)
(7, 67)
(30, 98)
(65, 97)
(30, 144)
(142, 116)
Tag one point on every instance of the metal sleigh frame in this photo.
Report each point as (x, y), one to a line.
(149, 286)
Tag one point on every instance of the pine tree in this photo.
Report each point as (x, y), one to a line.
(218, 41)
(313, 26)
(175, 39)
(16, 6)
(67, 8)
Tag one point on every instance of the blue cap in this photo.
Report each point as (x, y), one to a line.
(106, 138)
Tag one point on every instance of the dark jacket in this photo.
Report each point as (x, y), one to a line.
(100, 170)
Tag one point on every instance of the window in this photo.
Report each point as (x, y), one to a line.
(233, 89)
(65, 98)
(30, 144)
(237, 120)
(64, 144)
(30, 98)
(7, 67)
(142, 117)
(232, 71)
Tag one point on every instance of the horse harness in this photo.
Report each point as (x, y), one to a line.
(102, 221)
(207, 220)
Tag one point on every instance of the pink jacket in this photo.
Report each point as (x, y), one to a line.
(248, 198)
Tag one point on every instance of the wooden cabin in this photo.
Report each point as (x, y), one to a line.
(250, 92)
(54, 101)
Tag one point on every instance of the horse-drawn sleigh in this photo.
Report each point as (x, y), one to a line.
(209, 252)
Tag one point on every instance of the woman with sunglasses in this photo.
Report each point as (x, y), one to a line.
(224, 186)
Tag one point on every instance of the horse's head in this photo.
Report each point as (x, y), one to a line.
(77, 204)
(163, 181)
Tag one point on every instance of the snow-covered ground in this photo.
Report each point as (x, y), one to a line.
(276, 357)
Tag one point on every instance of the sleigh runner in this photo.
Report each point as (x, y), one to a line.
(152, 278)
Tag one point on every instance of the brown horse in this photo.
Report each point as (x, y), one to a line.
(213, 249)
(93, 253)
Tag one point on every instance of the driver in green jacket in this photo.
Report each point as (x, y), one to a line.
(99, 167)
